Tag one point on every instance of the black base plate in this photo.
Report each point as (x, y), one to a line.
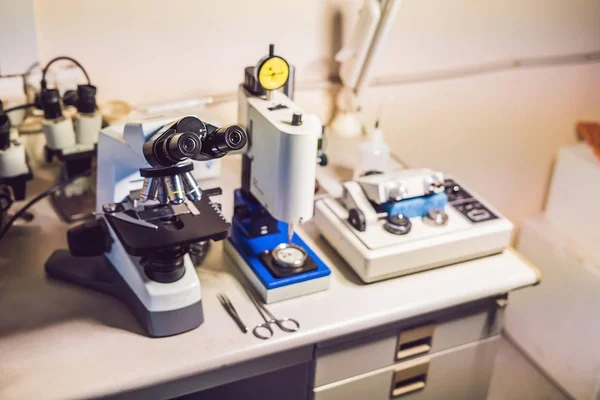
(98, 274)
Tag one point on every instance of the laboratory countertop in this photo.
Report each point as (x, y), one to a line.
(60, 341)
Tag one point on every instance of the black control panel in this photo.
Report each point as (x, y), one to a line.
(466, 204)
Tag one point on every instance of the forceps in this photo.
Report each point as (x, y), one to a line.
(285, 324)
(226, 303)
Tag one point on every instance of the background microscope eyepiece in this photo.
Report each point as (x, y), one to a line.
(86, 98)
(51, 103)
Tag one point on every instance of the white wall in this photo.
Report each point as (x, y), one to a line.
(17, 36)
(147, 50)
(498, 132)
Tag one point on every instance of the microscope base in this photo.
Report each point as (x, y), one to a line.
(98, 274)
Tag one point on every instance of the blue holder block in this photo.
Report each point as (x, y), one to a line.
(250, 248)
(416, 207)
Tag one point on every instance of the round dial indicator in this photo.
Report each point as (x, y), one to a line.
(273, 73)
(289, 255)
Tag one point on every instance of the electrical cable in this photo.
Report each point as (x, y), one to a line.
(20, 107)
(30, 69)
(37, 198)
(60, 58)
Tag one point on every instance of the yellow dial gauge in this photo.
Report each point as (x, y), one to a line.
(273, 73)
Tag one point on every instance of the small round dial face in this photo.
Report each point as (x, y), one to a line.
(273, 73)
(289, 255)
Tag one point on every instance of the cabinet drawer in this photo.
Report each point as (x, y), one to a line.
(405, 341)
(459, 373)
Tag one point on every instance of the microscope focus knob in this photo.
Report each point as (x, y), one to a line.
(296, 119)
(89, 239)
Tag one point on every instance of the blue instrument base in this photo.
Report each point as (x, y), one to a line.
(250, 248)
(416, 207)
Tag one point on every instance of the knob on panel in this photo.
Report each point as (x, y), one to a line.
(296, 119)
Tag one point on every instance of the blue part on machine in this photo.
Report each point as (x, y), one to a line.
(417, 206)
(250, 248)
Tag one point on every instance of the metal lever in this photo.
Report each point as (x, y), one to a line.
(415, 341)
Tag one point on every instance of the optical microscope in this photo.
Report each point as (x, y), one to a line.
(150, 212)
(396, 223)
(278, 186)
(73, 142)
(14, 169)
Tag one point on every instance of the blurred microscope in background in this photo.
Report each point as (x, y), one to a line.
(68, 116)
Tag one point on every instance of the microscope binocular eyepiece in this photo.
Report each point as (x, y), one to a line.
(191, 138)
(84, 98)
(172, 147)
(176, 142)
(181, 146)
(226, 139)
(233, 138)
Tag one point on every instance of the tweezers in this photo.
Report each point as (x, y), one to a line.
(232, 311)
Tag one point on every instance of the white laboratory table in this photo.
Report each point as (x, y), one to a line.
(59, 341)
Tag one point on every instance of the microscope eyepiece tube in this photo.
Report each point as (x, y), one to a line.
(182, 146)
(226, 139)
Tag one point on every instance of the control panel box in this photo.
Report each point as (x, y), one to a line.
(466, 228)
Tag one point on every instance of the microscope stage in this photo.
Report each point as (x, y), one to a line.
(181, 229)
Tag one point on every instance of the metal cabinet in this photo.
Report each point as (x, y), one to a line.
(463, 372)
(425, 335)
(448, 354)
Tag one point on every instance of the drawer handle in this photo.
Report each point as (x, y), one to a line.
(415, 341)
(410, 379)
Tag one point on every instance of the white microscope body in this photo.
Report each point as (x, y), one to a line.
(120, 158)
(142, 240)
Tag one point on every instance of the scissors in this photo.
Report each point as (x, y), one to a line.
(264, 331)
